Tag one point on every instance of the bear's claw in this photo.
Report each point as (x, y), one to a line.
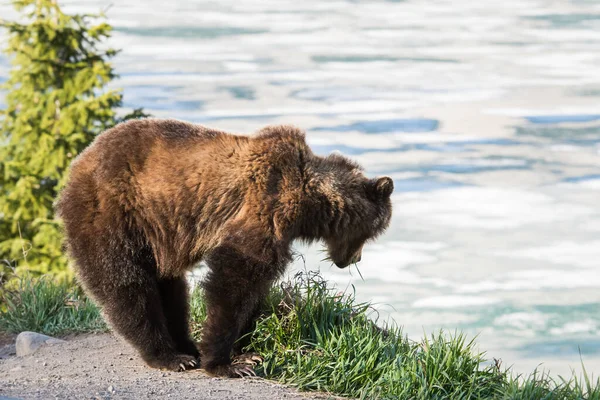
(187, 364)
(248, 358)
(239, 370)
(177, 363)
(242, 370)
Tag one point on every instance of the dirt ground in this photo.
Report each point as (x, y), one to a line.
(103, 367)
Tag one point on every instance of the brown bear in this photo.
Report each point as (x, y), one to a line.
(149, 199)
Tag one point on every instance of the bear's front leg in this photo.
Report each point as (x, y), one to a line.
(233, 288)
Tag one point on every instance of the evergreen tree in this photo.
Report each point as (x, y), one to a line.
(56, 104)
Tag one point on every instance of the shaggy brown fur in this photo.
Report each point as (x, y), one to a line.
(151, 198)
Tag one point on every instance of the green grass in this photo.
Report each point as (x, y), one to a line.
(317, 339)
(43, 305)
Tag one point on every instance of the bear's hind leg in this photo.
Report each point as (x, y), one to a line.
(174, 297)
(131, 300)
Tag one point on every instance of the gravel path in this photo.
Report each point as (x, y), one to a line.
(103, 367)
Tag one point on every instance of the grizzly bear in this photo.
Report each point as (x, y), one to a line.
(149, 199)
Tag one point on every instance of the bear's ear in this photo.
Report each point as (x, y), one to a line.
(381, 188)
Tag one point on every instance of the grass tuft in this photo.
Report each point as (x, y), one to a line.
(46, 306)
(318, 339)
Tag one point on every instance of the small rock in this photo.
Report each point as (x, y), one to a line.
(111, 389)
(30, 342)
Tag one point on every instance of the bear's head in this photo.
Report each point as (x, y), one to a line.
(366, 219)
(325, 198)
(357, 208)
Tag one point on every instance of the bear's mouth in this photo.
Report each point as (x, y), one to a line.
(354, 260)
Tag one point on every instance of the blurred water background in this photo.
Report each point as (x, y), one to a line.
(487, 116)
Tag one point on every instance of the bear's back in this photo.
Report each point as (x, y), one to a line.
(136, 145)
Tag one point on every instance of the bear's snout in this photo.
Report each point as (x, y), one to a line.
(353, 260)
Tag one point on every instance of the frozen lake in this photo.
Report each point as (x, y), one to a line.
(487, 118)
